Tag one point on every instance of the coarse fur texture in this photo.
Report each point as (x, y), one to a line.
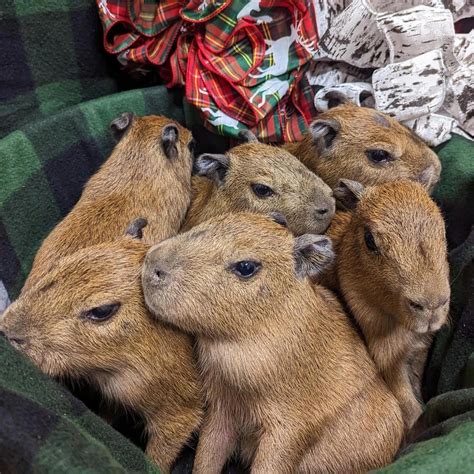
(288, 381)
(392, 271)
(134, 360)
(148, 174)
(341, 141)
(230, 183)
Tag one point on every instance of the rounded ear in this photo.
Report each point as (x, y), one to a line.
(121, 124)
(324, 132)
(246, 136)
(428, 177)
(212, 166)
(348, 193)
(278, 218)
(312, 253)
(135, 228)
(169, 140)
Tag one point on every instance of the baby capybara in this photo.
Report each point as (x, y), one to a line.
(392, 271)
(259, 178)
(86, 319)
(365, 145)
(287, 378)
(148, 174)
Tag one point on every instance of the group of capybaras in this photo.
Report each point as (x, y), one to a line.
(279, 301)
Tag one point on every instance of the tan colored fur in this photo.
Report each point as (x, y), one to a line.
(411, 265)
(287, 378)
(363, 129)
(136, 180)
(134, 360)
(298, 192)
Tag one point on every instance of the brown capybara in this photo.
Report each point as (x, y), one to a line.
(87, 320)
(286, 376)
(392, 271)
(148, 174)
(259, 178)
(365, 145)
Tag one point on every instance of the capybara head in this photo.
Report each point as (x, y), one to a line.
(169, 139)
(259, 178)
(86, 313)
(365, 145)
(393, 255)
(225, 275)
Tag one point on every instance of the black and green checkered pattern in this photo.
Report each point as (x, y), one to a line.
(58, 93)
(51, 57)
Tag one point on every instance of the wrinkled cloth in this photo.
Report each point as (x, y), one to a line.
(241, 62)
(423, 71)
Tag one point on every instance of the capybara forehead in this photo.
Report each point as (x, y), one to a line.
(257, 160)
(366, 126)
(236, 233)
(97, 268)
(402, 209)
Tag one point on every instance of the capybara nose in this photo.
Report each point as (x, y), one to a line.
(322, 211)
(159, 275)
(416, 306)
(421, 306)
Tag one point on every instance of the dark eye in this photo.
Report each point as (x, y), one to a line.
(378, 156)
(261, 190)
(246, 268)
(370, 241)
(102, 313)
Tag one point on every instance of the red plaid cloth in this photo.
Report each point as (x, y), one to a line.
(241, 62)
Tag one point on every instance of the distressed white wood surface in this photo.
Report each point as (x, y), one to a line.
(434, 128)
(412, 88)
(331, 73)
(417, 30)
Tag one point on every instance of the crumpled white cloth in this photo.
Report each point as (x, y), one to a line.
(400, 56)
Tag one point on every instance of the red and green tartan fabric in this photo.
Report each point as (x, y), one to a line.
(242, 62)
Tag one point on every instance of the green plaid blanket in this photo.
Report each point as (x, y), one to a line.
(55, 114)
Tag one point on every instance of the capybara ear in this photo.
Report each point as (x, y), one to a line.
(135, 228)
(312, 253)
(348, 193)
(169, 140)
(429, 177)
(246, 136)
(121, 124)
(278, 218)
(213, 166)
(324, 132)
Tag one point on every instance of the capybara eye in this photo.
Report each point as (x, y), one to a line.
(245, 268)
(102, 313)
(378, 156)
(370, 241)
(261, 190)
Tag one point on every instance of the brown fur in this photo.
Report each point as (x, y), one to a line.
(138, 179)
(361, 129)
(411, 264)
(133, 359)
(298, 193)
(286, 376)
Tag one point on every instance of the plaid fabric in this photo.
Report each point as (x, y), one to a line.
(50, 58)
(240, 62)
(57, 142)
(43, 428)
